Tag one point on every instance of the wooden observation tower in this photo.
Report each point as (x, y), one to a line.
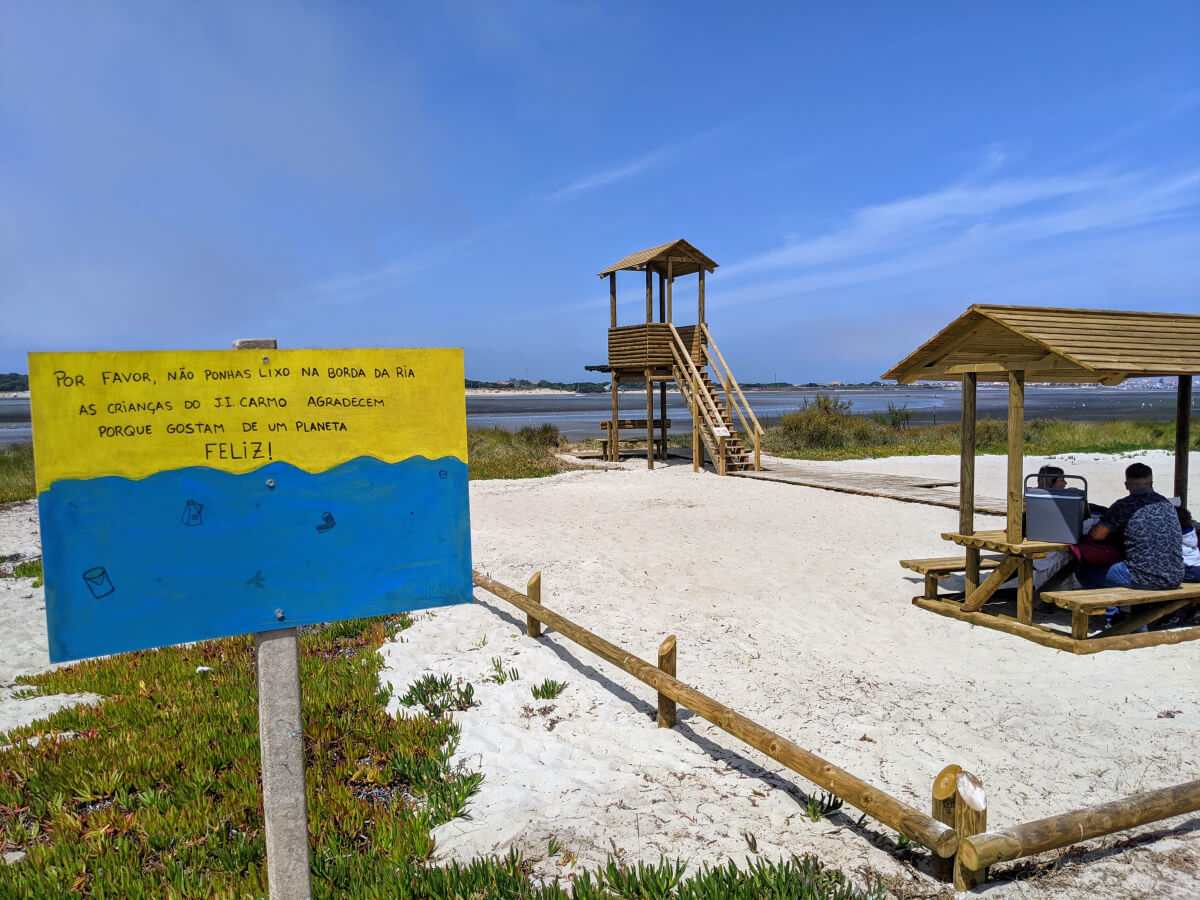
(660, 352)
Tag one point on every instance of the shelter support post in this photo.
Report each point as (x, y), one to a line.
(649, 421)
(966, 477)
(649, 296)
(612, 299)
(670, 288)
(281, 746)
(1016, 453)
(700, 299)
(1183, 420)
(614, 448)
(662, 407)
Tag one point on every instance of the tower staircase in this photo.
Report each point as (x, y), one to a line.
(718, 407)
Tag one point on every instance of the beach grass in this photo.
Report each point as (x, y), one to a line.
(825, 428)
(528, 453)
(16, 473)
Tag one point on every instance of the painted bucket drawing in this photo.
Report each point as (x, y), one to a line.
(98, 582)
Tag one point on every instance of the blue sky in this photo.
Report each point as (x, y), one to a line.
(181, 175)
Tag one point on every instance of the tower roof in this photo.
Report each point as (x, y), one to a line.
(684, 258)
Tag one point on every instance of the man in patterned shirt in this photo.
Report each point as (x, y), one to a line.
(1150, 532)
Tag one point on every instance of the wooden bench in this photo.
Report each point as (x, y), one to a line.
(939, 567)
(1093, 602)
(631, 425)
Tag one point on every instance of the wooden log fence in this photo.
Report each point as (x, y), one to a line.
(986, 849)
(907, 820)
(955, 831)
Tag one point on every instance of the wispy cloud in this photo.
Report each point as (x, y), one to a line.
(965, 223)
(391, 275)
(619, 173)
(631, 169)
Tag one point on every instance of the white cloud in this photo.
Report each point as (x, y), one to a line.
(965, 224)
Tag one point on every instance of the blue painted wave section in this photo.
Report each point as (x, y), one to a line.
(195, 553)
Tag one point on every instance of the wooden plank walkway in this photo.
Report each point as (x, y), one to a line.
(908, 488)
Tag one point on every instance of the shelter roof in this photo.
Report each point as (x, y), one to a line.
(685, 260)
(1088, 345)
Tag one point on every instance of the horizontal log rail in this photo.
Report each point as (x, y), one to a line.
(986, 849)
(907, 820)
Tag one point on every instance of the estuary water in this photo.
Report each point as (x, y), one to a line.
(578, 416)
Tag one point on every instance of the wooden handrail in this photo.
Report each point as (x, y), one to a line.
(757, 431)
(689, 394)
(684, 360)
(897, 814)
(732, 378)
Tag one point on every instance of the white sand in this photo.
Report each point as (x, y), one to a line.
(789, 605)
(24, 649)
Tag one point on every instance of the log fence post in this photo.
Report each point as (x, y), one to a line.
(945, 799)
(970, 817)
(666, 663)
(533, 591)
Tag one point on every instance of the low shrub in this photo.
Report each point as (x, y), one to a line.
(16, 473)
(528, 453)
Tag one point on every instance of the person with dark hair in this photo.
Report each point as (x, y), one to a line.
(1051, 477)
(1191, 554)
(1150, 534)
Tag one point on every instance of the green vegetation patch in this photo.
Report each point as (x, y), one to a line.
(825, 428)
(29, 568)
(16, 473)
(528, 453)
(157, 792)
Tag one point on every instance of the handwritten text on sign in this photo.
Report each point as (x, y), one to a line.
(187, 495)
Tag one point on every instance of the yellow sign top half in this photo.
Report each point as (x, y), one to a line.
(132, 414)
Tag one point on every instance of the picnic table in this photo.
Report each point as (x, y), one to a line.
(1017, 559)
(1011, 558)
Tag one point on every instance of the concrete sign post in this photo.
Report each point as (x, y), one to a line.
(281, 749)
(193, 495)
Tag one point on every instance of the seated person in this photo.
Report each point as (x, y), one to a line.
(1046, 567)
(1150, 536)
(1191, 554)
(1051, 477)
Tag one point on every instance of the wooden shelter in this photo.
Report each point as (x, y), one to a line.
(1014, 344)
(660, 352)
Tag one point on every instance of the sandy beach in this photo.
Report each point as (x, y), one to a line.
(788, 605)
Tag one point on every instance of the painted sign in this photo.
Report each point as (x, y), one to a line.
(192, 495)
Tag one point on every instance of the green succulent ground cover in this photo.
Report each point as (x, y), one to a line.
(156, 792)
